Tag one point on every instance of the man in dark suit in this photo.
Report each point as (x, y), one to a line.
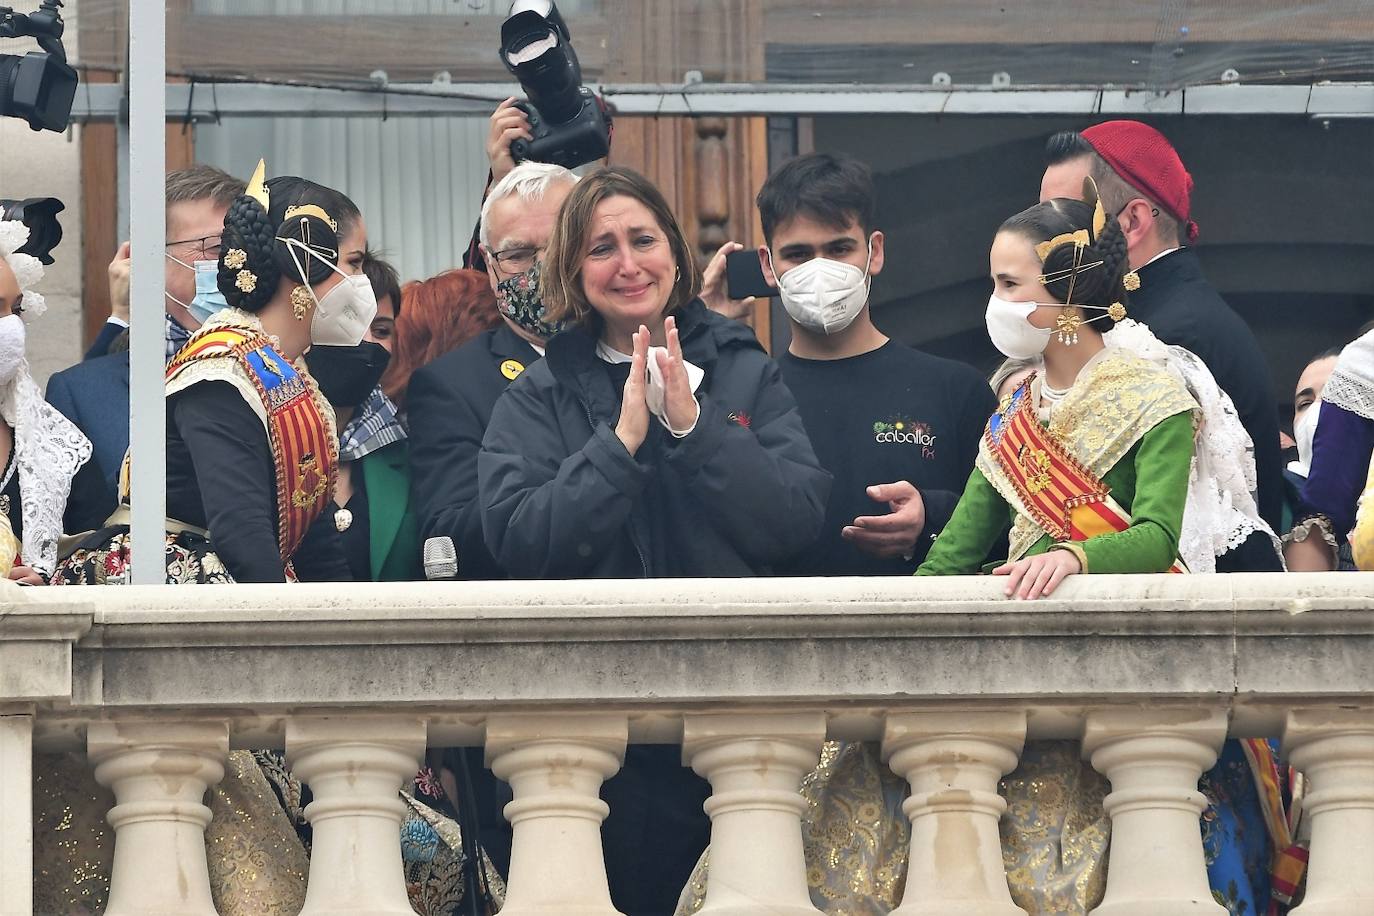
(1142, 180)
(95, 396)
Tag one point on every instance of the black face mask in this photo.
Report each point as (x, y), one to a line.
(347, 375)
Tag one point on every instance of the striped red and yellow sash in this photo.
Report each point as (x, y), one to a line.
(302, 448)
(1290, 857)
(1064, 498)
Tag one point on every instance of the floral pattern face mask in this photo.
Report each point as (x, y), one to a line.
(518, 299)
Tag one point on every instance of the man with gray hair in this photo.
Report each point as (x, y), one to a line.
(451, 399)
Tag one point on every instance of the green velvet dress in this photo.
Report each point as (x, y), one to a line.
(1150, 482)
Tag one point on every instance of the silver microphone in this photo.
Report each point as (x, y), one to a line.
(440, 558)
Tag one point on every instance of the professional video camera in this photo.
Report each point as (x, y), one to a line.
(38, 86)
(570, 124)
(40, 215)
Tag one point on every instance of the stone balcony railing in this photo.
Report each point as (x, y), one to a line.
(354, 681)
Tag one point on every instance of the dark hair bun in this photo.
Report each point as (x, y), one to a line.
(1100, 285)
(249, 280)
(310, 231)
(253, 278)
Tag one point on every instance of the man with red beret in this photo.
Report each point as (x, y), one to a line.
(1142, 180)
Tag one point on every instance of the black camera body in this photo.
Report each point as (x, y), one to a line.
(585, 138)
(39, 86)
(570, 125)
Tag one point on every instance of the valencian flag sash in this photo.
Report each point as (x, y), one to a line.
(1062, 497)
(298, 432)
(1290, 857)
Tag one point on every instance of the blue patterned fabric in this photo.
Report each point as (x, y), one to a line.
(1234, 836)
(175, 335)
(374, 426)
(419, 841)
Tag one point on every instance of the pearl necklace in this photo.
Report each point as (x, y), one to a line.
(1052, 396)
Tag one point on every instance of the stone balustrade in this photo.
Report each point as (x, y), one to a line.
(156, 684)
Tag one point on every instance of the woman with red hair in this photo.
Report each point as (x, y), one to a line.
(437, 315)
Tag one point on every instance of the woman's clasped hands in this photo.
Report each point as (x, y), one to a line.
(680, 408)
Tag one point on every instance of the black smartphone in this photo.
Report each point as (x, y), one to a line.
(744, 275)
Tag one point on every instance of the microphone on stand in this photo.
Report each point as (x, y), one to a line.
(440, 558)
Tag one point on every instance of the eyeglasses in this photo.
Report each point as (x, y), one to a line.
(517, 260)
(207, 246)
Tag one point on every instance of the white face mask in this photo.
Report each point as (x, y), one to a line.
(822, 295)
(1011, 331)
(11, 347)
(1304, 432)
(345, 313)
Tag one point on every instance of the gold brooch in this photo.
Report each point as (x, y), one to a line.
(301, 302)
(1131, 281)
(1116, 311)
(1035, 464)
(235, 258)
(311, 476)
(246, 281)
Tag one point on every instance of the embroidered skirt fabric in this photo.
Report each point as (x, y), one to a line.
(103, 559)
(1055, 835)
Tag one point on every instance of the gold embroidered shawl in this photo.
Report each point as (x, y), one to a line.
(1116, 400)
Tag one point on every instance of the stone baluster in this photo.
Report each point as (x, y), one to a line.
(159, 772)
(555, 765)
(953, 762)
(355, 767)
(1154, 758)
(16, 815)
(755, 764)
(1334, 749)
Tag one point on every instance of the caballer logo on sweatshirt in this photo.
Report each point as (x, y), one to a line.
(903, 431)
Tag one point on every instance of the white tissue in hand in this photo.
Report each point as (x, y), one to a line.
(655, 393)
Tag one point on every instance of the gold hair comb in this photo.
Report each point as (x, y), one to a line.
(312, 210)
(1079, 238)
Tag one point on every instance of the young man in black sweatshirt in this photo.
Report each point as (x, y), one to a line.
(897, 428)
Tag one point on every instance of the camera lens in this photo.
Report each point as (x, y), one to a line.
(37, 87)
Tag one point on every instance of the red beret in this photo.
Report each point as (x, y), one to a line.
(1148, 162)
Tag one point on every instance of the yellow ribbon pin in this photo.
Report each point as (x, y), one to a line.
(511, 369)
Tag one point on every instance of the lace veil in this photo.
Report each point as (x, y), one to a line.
(1221, 512)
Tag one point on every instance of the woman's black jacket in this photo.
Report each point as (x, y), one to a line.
(561, 498)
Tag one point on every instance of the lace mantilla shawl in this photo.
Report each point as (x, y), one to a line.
(1221, 512)
(48, 451)
(1351, 385)
(48, 448)
(1116, 400)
